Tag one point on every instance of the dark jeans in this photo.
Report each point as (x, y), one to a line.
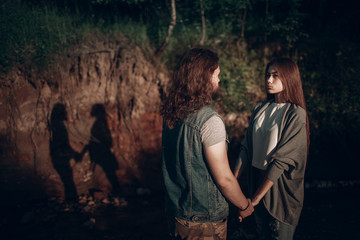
(269, 228)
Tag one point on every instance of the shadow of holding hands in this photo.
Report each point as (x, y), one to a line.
(99, 148)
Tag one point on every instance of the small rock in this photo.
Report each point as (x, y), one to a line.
(120, 202)
(106, 201)
(87, 208)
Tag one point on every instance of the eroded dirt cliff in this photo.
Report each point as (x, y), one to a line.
(90, 124)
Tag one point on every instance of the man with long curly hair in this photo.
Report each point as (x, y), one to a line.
(197, 176)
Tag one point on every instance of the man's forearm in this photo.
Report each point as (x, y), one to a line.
(232, 191)
(216, 157)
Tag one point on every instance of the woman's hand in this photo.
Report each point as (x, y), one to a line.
(254, 202)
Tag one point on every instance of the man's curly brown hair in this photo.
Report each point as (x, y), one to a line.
(192, 88)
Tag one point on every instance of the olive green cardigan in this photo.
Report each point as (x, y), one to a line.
(284, 201)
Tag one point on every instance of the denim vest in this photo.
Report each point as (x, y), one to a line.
(191, 193)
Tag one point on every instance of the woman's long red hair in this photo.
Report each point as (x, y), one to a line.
(289, 75)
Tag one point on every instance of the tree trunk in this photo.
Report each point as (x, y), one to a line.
(242, 21)
(266, 48)
(161, 49)
(202, 41)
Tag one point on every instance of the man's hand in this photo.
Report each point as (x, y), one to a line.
(247, 211)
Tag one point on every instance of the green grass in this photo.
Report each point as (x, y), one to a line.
(30, 34)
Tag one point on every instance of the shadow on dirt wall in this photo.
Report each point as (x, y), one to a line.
(22, 184)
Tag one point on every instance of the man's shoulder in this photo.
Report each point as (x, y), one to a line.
(201, 116)
(215, 120)
(208, 109)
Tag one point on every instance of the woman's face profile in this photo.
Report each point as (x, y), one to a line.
(273, 83)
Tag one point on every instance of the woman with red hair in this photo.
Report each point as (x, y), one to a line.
(275, 152)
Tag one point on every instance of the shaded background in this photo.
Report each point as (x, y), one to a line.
(82, 82)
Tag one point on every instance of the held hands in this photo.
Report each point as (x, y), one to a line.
(243, 213)
(260, 193)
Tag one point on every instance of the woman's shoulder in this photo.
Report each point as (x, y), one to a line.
(260, 104)
(297, 112)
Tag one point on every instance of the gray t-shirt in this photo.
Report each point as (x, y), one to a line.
(213, 131)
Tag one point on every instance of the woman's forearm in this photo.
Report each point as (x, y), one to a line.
(237, 173)
(261, 191)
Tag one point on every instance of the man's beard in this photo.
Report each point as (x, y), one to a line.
(215, 94)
